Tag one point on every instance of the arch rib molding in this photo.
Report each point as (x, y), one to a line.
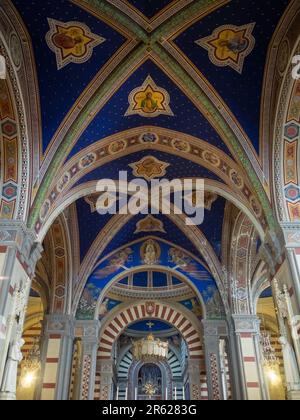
(162, 312)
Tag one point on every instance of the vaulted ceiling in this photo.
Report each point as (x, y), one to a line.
(204, 62)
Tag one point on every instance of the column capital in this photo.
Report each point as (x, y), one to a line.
(88, 330)
(63, 325)
(291, 232)
(215, 328)
(15, 235)
(246, 324)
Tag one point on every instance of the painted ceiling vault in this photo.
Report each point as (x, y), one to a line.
(160, 89)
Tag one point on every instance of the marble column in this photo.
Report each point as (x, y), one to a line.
(89, 332)
(291, 232)
(57, 350)
(247, 341)
(194, 369)
(213, 331)
(106, 368)
(19, 254)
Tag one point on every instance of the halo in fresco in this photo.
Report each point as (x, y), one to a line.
(229, 45)
(149, 101)
(72, 42)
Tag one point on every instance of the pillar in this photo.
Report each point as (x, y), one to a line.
(247, 341)
(57, 351)
(194, 375)
(19, 254)
(106, 368)
(291, 233)
(89, 333)
(213, 331)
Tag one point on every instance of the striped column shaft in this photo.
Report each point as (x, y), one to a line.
(51, 367)
(250, 364)
(247, 336)
(97, 386)
(204, 387)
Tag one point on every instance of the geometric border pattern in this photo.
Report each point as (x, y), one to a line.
(101, 152)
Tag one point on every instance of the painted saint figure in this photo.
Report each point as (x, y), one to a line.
(149, 104)
(150, 254)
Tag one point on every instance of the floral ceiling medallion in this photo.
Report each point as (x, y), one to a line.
(229, 45)
(149, 101)
(149, 168)
(72, 42)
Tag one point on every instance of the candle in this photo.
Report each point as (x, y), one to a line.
(126, 394)
(118, 394)
(166, 393)
(175, 393)
(183, 393)
(136, 394)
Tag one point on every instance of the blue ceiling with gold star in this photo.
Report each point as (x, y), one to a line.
(112, 119)
(150, 8)
(177, 81)
(67, 62)
(241, 92)
(59, 89)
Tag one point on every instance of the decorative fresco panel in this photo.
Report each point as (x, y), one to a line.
(229, 45)
(72, 42)
(134, 256)
(149, 101)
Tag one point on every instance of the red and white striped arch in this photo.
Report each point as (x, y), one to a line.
(184, 322)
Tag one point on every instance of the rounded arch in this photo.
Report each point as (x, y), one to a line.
(125, 315)
(159, 268)
(125, 360)
(286, 187)
(15, 160)
(16, 47)
(193, 149)
(90, 188)
(274, 71)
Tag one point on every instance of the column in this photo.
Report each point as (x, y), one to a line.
(292, 245)
(57, 350)
(195, 367)
(89, 333)
(288, 278)
(107, 373)
(213, 331)
(247, 338)
(18, 257)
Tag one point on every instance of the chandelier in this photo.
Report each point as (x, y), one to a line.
(269, 357)
(150, 350)
(31, 365)
(270, 361)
